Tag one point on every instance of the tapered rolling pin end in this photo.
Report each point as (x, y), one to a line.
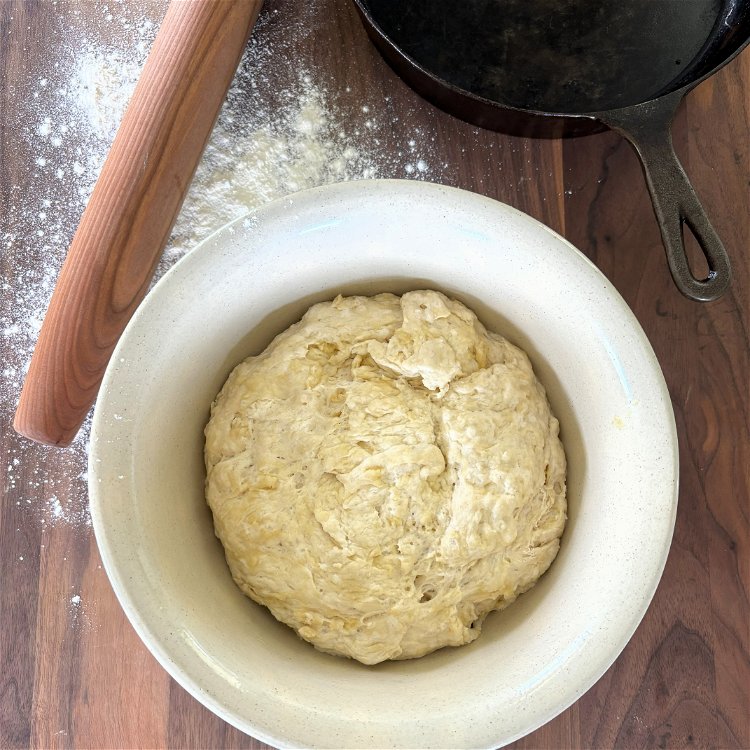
(42, 416)
(27, 425)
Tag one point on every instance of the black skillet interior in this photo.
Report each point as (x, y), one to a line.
(565, 56)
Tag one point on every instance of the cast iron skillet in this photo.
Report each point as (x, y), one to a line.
(569, 67)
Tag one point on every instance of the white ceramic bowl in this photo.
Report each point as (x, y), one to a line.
(225, 301)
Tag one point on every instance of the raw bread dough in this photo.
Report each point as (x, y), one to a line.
(385, 474)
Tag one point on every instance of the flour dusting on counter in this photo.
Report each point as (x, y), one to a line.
(248, 162)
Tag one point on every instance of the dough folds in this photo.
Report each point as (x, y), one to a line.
(385, 474)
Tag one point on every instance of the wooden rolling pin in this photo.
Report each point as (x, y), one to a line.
(127, 221)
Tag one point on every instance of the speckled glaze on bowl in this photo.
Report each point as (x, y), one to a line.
(226, 300)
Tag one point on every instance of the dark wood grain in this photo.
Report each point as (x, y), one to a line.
(84, 680)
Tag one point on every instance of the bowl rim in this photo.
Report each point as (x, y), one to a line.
(338, 192)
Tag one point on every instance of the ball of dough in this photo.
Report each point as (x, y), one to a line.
(385, 474)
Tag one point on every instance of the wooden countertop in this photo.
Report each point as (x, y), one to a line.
(72, 671)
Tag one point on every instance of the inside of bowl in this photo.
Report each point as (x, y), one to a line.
(226, 302)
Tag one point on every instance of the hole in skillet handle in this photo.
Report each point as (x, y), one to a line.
(697, 262)
(647, 127)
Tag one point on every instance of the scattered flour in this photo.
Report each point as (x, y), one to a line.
(68, 511)
(272, 138)
(243, 167)
(77, 612)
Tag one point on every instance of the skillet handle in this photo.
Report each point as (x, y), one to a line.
(647, 127)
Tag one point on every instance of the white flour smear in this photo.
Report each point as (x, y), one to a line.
(248, 163)
(67, 117)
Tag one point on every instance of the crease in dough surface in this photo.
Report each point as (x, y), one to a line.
(385, 474)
